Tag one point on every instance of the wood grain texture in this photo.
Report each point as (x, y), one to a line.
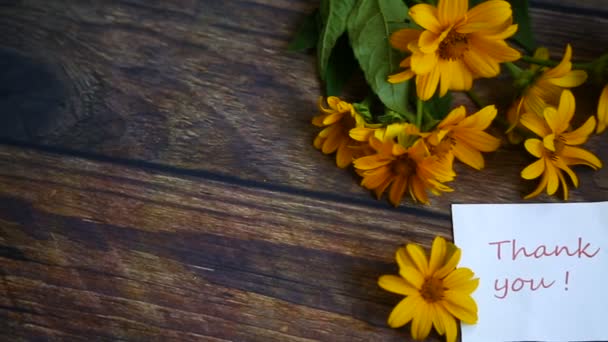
(158, 180)
(107, 251)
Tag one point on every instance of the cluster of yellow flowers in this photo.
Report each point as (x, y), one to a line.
(399, 156)
(455, 46)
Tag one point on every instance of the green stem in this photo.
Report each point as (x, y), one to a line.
(513, 69)
(475, 98)
(551, 63)
(419, 111)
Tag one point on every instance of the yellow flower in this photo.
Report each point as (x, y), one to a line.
(546, 87)
(403, 168)
(338, 120)
(556, 151)
(456, 46)
(602, 111)
(465, 136)
(437, 293)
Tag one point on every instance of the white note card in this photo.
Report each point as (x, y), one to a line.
(543, 270)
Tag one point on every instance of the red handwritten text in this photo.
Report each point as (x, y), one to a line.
(504, 287)
(541, 251)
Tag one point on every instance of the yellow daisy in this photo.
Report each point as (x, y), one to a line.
(602, 111)
(437, 293)
(556, 151)
(546, 87)
(403, 168)
(338, 120)
(456, 46)
(465, 136)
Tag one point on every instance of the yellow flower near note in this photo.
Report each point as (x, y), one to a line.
(545, 87)
(437, 292)
(556, 151)
(602, 110)
(455, 46)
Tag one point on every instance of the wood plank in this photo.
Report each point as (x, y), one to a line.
(114, 252)
(130, 253)
(205, 86)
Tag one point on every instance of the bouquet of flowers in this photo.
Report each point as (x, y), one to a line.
(405, 135)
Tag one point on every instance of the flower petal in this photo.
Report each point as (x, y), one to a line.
(580, 135)
(397, 190)
(571, 79)
(426, 16)
(534, 170)
(576, 156)
(453, 258)
(559, 120)
(602, 111)
(437, 254)
(345, 154)
(480, 64)
(552, 178)
(397, 285)
(478, 140)
(461, 78)
(486, 16)
(404, 311)
(535, 147)
(402, 38)
(370, 162)
(534, 123)
(423, 63)
(418, 190)
(426, 85)
(437, 319)
(482, 119)
(412, 275)
(563, 67)
(403, 259)
(462, 306)
(454, 117)
(541, 186)
(401, 76)
(418, 255)
(422, 321)
(451, 11)
(461, 280)
(560, 163)
(468, 155)
(451, 328)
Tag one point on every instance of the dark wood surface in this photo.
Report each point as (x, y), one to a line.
(158, 180)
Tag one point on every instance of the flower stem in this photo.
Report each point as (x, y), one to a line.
(419, 111)
(551, 63)
(513, 69)
(475, 98)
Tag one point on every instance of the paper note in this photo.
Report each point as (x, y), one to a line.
(543, 270)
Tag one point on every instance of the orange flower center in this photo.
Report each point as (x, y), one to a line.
(432, 290)
(404, 166)
(453, 46)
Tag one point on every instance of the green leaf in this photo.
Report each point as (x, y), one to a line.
(390, 116)
(368, 30)
(521, 17)
(340, 68)
(334, 15)
(363, 110)
(436, 109)
(307, 35)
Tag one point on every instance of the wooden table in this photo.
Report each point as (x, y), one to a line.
(158, 180)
